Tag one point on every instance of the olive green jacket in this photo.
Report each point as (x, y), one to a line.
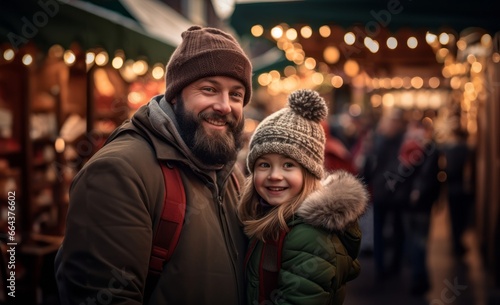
(319, 254)
(116, 202)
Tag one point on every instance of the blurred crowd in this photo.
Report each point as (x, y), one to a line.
(407, 171)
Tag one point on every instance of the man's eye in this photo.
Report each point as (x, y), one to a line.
(209, 89)
(238, 96)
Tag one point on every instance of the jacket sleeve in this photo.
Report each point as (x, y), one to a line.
(106, 250)
(308, 267)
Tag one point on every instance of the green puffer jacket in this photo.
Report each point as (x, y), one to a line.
(319, 254)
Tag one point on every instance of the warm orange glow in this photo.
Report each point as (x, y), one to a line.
(277, 32)
(325, 31)
(337, 81)
(331, 54)
(351, 68)
(257, 30)
(291, 34)
(306, 31)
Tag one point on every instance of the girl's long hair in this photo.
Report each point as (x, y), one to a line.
(267, 225)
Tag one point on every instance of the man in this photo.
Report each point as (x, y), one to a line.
(117, 198)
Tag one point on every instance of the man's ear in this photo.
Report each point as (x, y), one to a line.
(177, 98)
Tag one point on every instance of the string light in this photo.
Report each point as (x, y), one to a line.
(412, 42)
(257, 30)
(392, 43)
(325, 31)
(27, 59)
(89, 58)
(69, 57)
(406, 91)
(101, 59)
(8, 54)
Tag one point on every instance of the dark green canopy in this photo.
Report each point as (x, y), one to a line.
(49, 22)
(392, 14)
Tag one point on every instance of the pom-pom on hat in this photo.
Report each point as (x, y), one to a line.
(294, 131)
(205, 52)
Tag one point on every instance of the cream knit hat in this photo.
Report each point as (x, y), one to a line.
(294, 131)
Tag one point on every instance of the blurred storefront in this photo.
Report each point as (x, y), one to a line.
(70, 72)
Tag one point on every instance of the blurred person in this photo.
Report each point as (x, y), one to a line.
(460, 185)
(345, 128)
(337, 155)
(116, 200)
(419, 153)
(359, 153)
(389, 184)
(303, 226)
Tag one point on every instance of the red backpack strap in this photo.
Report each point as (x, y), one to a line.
(169, 228)
(269, 267)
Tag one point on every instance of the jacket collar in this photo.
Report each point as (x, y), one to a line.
(340, 201)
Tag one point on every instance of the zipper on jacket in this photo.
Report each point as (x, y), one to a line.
(232, 245)
(220, 199)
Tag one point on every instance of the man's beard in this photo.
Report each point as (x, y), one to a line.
(215, 148)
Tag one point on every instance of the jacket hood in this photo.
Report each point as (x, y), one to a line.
(157, 123)
(341, 200)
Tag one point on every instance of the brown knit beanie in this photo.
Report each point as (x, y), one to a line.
(294, 131)
(207, 52)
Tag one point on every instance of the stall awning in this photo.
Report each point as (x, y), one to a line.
(128, 27)
(392, 14)
(378, 19)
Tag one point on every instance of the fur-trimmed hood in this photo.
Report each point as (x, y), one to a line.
(341, 200)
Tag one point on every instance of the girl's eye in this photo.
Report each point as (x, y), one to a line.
(261, 164)
(288, 165)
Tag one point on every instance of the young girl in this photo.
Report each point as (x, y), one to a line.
(303, 226)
